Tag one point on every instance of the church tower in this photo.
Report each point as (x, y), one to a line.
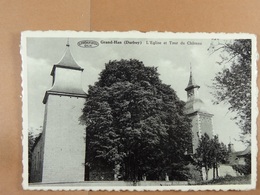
(59, 155)
(195, 109)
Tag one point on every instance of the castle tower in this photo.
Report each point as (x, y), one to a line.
(59, 155)
(195, 109)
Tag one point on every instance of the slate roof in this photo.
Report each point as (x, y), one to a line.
(67, 61)
(68, 84)
(192, 83)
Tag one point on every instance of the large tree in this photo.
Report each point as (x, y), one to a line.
(232, 85)
(210, 154)
(203, 155)
(135, 123)
(219, 154)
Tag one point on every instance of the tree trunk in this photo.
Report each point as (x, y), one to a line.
(217, 170)
(207, 173)
(213, 169)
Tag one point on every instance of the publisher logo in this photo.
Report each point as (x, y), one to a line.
(88, 44)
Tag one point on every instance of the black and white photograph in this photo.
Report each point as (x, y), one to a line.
(139, 111)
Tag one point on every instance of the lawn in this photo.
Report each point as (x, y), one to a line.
(228, 180)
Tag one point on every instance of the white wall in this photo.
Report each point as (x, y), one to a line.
(64, 146)
(223, 170)
(67, 81)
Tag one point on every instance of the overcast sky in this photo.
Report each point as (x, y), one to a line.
(173, 62)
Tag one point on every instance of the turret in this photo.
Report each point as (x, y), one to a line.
(194, 103)
(59, 155)
(192, 88)
(66, 77)
(195, 108)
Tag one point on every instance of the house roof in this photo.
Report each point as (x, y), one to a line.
(244, 152)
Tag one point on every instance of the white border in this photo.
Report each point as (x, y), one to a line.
(135, 34)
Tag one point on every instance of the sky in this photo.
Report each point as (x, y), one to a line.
(173, 62)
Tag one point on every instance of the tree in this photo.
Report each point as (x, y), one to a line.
(232, 85)
(219, 154)
(244, 169)
(210, 154)
(135, 122)
(203, 154)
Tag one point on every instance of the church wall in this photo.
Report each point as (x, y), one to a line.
(206, 124)
(37, 155)
(223, 170)
(67, 80)
(201, 123)
(195, 131)
(64, 149)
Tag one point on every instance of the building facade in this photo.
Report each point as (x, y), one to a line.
(195, 108)
(59, 154)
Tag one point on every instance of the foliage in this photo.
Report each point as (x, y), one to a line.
(135, 122)
(195, 174)
(210, 154)
(202, 155)
(244, 169)
(32, 140)
(232, 85)
(219, 153)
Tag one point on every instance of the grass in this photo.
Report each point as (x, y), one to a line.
(228, 180)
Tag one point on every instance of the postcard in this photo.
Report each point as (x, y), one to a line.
(139, 111)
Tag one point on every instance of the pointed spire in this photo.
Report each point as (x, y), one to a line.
(66, 84)
(67, 60)
(192, 83)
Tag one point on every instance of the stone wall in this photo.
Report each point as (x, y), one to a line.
(195, 131)
(206, 125)
(64, 142)
(223, 170)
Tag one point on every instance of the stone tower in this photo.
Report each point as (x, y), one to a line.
(196, 110)
(59, 155)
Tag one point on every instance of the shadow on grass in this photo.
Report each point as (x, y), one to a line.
(228, 180)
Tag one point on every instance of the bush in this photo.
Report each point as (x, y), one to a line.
(195, 174)
(244, 169)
